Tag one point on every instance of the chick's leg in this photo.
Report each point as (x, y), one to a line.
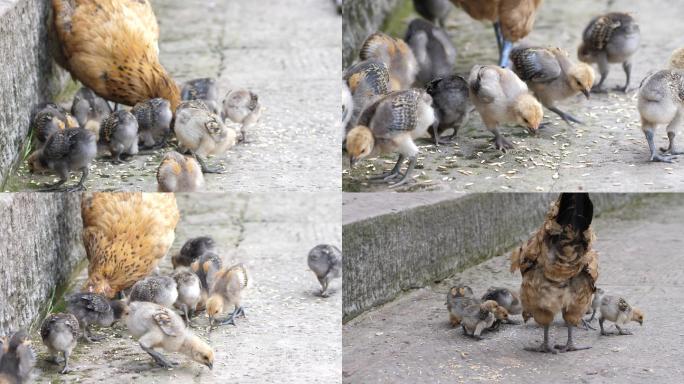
(393, 174)
(500, 142)
(671, 134)
(65, 369)
(602, 62)
(568, 118)
(655, 157)
(405, 179)
(80, 186)
(204, 166)
(88, 335)
(627, 67)
(544, 347)
(622, 331)
(570, 344)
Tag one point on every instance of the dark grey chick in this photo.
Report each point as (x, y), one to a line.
(89, 109)
(60, 333)
(192, 250)
(434, 10)
(154, 122)
(610, 38)
(455, 302)
(48, 119)
(160, 290)
(242, 106)
(17, 358)
(93, 308)
(505, 298)
(204, 89)
(451, 102)
(434, 51)
(66, 150)
(119, 131)
(326, 262)
(189, 291)
(206, 267)
(367, 81)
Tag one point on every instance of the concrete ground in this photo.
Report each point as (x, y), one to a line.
(608, 153)
(410, 339)
(289, 54)
(290, 334)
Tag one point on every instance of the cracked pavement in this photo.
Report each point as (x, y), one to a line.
(608, 154)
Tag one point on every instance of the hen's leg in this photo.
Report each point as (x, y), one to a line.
(570, 345)
(506, 49)
(544, 347)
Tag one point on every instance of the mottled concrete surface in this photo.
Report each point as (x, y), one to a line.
(410, 340)
(289, 54)
(609, 153)
(290, 334)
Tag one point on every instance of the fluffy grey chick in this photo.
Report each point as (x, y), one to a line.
(661, 102)
(119, 131)
(89, 109)
(455, 303)
(552, 76)
(242, 107)
(157, 327)
(189, 291)
(478, 316)
(60, 333)
(192, 250)
(391, 124)
(203, 134)
(93, 308)
(326, 262)
(154, 122)
(396, 54)
(179, 173)
(66, 150)
(17, 358)
(451, 103)
(204, 89)
(617, 310)
(507, 299)
(367, 81)
(161, 290)
(436, 11)
(48, 119)
(434, 51)
(206, 266)
(610, 38)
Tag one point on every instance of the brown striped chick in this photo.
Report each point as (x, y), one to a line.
(60, 333)
(617, 310)
(49, 119)
(89, 109)
(227, 291)
(179, 173)
(242, 107)
(157, 327)
(189, 291)
(204, 89)
(506, 298)
(206, 266)
(367, 81)
(154, 122)
(677, 59)
(17, 358)
(203, 134)
(389, 125)
(610, 38)
(479, 316)
(455, 303)
(161, 290)
(501, 97)
(396, 54)
(552, 76)
(119, 131)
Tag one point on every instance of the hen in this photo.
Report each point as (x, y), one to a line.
(125, 236)
(559, 267)
(111, 46)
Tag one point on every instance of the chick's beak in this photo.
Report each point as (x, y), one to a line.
(352, 161)
(210, 365)
(586, 93)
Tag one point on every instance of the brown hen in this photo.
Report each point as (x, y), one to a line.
(559, 268)
(111, 46)
(125, 236)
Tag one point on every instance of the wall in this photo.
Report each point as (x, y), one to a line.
(360, 19)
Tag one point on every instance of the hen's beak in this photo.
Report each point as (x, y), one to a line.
(586, 92)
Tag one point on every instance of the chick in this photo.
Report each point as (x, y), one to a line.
(60, 333)
(501, 97)
(610, 38)
(227, 290)
(455, 303)
(451, 102)
(203, 134)
(326, 262)
(179, 173)
(192, 250)
(49, 119)
(206, 267)
(616, 309)
(390, 125)
(204, 89)
(552, 76)
(93, 308)
(67, 150)
(367, 81)
(347, 105)
(507, 299)
(89, 109)
(432, 48)
(119, 131)
(189, 291)
(661, 102)
(154, 122)
(242, 106)
(155, 327)
(17, 358)
(478, 316)
(434, 10)
(595, 303)
(677, 59)
(160, 290)
(396, 54)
